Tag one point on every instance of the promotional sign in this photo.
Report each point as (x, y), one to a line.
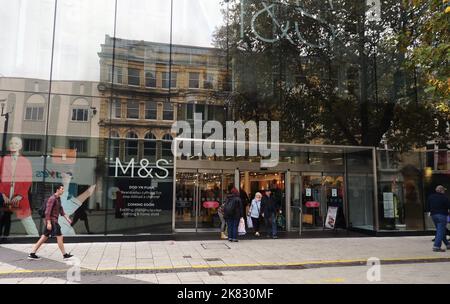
(330, 222)
(312, 204)
(334, 193)
(308, 191)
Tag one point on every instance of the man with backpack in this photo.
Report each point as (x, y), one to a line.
(51, 210)
(233, 213)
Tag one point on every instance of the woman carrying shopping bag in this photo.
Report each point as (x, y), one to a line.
(255, 212)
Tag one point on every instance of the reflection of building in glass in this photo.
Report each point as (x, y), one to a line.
(149, 93)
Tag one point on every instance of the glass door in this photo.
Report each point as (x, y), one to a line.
(334, 190)
(186, 198)
(210, 198)
(199, 193)
(313, 201)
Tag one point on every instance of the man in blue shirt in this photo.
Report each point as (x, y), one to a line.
(439, 206)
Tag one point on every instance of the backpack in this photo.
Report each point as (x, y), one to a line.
(41, 210)
(228, 209)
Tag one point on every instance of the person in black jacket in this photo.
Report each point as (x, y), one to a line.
(269, 212)
(235, 215)
(439, 207)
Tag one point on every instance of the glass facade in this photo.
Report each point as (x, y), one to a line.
(90, 89)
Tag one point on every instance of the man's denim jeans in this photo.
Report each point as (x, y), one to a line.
(271, 225)
(440, 221)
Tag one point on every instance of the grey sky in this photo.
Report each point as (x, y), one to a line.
(26, 32)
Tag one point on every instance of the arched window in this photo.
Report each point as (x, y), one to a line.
(150, 147)
(80, 110)
(131, 146)
(35, 108)
(166, 147)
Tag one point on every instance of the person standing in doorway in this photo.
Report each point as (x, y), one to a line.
(269, 211)
(233, 213)
(52, 212)
(255, 212)
(439, 206)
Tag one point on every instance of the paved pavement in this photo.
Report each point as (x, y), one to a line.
(264, 261)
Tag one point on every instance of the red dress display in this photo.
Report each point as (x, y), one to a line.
(22, 180)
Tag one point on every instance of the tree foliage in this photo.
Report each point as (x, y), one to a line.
(340, 71)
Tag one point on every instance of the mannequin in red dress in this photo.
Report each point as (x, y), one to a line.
(16, 176)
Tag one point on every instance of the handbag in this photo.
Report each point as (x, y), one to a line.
(241, 227)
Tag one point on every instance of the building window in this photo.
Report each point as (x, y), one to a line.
(118, 74)
(208, 82)
(165, 80)
(80, 114)
(34, 113)
(32, 145)
(133, 109)
(166, 147)
(194, 80)
(131, 146)
(150, 79)
(114, 146)
(79, 145)
(151, 110)
(168, 111)
(116, 109)
(150, 147)
(133, 77)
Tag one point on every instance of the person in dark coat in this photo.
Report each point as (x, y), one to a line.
(234, 217)
(439, 207)
(269, 212)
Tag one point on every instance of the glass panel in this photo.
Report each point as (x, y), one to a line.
(26, 45)
(186, 200)
(210, 190)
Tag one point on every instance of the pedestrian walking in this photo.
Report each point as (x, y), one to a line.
(233, 214)
(269, 211)
(52, 211)
(439, 207)
(255, 212)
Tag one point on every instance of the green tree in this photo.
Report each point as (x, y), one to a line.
(338, 71)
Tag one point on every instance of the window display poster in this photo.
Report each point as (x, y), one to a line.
(388, 204)
(334, 193)
(308, 192)
(330, 222)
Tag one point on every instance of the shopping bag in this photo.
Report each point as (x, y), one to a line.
(249, 222)
(281, 221)
(241, 228)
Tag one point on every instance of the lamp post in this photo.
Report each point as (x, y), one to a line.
(5, 128)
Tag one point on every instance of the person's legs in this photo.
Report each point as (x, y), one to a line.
(38, 245)
(440, 229)
(255, 222)
(222, 222)
(86, 224)
(60, 240)
(75, 219)
(274, 226)
(235, 228)
(268, 222)
(86, 194)
(5, 224)
(230, 229)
